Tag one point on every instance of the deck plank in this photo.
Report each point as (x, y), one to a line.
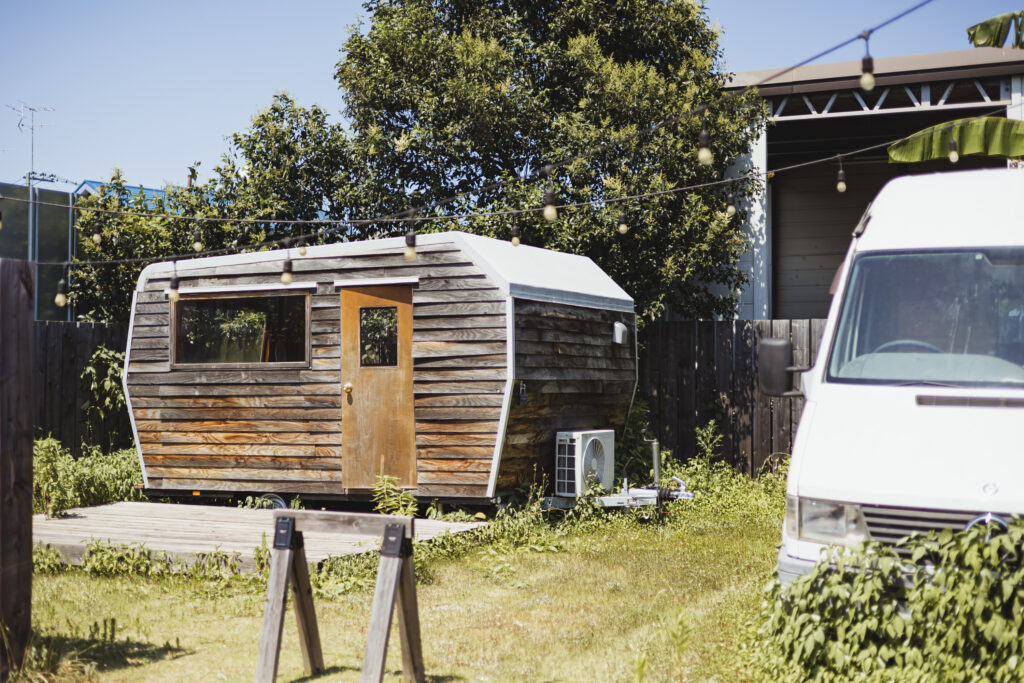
(183, 530)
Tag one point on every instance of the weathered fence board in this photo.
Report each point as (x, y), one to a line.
(62, 350)
(698, 370)
(16, 389)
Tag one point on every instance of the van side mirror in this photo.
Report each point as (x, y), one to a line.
(775, 367)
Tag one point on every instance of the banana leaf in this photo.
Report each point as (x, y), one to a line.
(991, 136)
(992, 32)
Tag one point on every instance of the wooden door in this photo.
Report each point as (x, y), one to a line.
(378, 433)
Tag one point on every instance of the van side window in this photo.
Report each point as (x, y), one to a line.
(234, 330)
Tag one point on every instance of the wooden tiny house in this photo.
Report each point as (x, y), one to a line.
(451, 372)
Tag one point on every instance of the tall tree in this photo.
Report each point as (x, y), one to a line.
(447, 97)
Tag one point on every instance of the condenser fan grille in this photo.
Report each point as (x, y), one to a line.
(593, 461)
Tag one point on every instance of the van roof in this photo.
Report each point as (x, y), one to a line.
(519, 271)
(982, 208)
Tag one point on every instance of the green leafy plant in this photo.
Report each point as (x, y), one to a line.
(391, 499)
(105, 404)
(954, 612)
(61, 482)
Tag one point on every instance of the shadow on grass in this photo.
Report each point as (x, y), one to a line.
(332, 670)
(100, 650)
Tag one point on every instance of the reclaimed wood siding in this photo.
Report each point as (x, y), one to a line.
(280, 429)
(575, 377)
(696, 371)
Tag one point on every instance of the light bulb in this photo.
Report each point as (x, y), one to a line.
(410, 245)
(62, 289)
(197, 241)
(172, 293)
(550, 212)
(97, 237)
(286, 272)
(704, 155)
(867, 75)
(302, 248)
(515, 236)
(954, 155)
(730, 205)
(841, 181)
(623, 224)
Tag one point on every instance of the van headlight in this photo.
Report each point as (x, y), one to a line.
(824, 521)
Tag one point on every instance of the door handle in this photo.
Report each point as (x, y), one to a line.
(347, 388)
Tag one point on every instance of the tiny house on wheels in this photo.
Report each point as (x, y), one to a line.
(453, 371)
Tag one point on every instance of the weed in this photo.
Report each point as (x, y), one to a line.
(61, 482)
(391, 499)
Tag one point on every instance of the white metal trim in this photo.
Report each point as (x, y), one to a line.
(224, 289)
(375, 281)
(127, 396)
(506, 403)
(569, 298)
(894, 110)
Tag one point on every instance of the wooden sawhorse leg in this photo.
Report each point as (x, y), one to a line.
(288, 561)
(395, 579)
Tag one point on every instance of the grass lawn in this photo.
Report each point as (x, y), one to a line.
(605, 599)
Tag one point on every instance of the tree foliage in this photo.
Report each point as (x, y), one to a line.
(446, 98)
(471, 99)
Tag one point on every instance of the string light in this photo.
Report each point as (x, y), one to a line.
(197, 241)
(302, 246)
(550, 212)
(730, 205)
(841, 178)
(97, 236)
(515, 235)
(172, 293)
(286, 272)
(62, 293)
(954, 154)
(623, 223)
(867, 66)
(704, 155)
(410, 244)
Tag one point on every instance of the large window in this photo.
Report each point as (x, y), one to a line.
(265, 329)
(940, 317)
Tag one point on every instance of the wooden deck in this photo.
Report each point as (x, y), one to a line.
(182, 531)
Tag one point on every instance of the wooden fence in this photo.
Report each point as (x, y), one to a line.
(62, 350)
(16, 388)
(695, 371)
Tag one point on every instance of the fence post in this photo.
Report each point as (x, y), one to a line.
(16, 409)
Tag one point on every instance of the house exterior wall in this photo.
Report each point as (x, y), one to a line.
(279, 430)
(569, 374)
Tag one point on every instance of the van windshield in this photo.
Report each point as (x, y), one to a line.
(936, 317)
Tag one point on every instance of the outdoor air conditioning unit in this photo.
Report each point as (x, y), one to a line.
(582, 456)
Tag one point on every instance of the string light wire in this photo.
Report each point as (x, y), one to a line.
(544, 172)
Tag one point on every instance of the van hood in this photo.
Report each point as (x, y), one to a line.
(893, 446)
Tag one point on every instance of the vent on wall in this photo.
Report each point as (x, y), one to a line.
(581, 457)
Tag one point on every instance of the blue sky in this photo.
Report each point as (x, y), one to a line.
(152, 87)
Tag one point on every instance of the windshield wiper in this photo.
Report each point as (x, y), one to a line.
(928, 383)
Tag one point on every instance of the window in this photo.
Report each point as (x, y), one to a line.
(378, 336)
(236, 330)
(936, 317)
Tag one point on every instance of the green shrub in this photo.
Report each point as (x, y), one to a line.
(955, 615)
(61, 482)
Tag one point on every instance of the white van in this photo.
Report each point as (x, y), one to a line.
(914, 413)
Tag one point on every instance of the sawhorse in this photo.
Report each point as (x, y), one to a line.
(395, 581)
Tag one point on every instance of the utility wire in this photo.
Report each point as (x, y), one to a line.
(416, 215)
(289, 241)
